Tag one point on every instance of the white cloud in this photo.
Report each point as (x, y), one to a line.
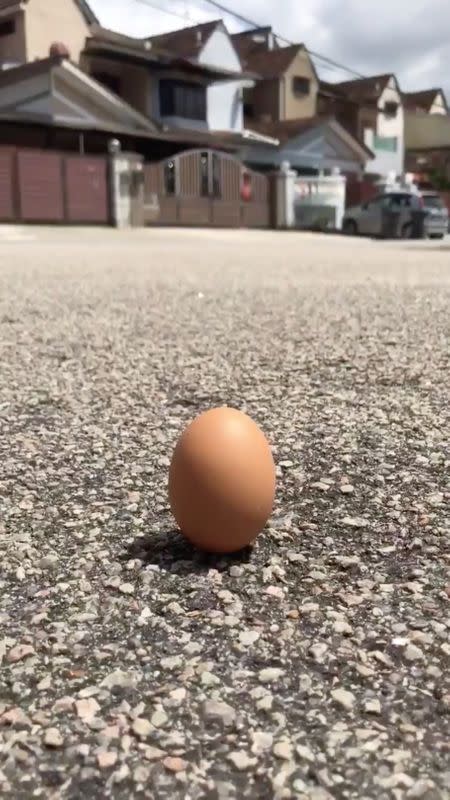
(370, 36)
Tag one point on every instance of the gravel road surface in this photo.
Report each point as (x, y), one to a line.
(315, 666)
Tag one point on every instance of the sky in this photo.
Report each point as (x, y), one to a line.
(369, 36)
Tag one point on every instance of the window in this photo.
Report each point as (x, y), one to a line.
(8, 27)
(301, 86)
(390, 109)
(111, 82)
(170, 177)
(204, 175)
(216, 175)
(182, 99)
(385, 143)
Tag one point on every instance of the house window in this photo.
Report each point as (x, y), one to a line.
(8, 27)
(182, 99)
(204, 175)
(249, 110)
(216, 174)
(170, 178)
(390, 109)
(301, 86)
(111, 82)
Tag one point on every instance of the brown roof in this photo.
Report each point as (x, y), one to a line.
(84, 7)
(272, 63)
(119, 46)
(363, 90)
(186, 42)
(422, 100)
(245, 44)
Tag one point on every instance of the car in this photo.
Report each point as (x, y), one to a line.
(377, 216)
(437, 219)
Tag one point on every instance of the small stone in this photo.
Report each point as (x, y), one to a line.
(343, 698)
(296, 558)
(175, 764)
(422, 788)
(347, 488)
(215, 711)
(172, 662)
(270, 675)
(87, 709)
(126, 588)
(141, 775)
(240, 760)
(283, 750)
(247, 638)
(305, 753)
(141, 727)
(372, 706)
(355, 522)
(44, 684)
(120, 679)
(20, 653)
(236, 571)
(153, 753)
(413, 653)
(261, 742)
(159, 719)
(208, 679)
(342, 627)
(317, 651)
(49, 562)
(106, 759)
(53, 738)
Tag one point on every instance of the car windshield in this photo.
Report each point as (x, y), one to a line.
(432, 201)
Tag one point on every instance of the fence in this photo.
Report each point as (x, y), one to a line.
(41, 186)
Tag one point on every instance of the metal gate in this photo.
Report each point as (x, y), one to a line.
(206, 188)
(52, 187)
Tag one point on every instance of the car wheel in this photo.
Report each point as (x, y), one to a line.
(407, 231)
(437, 235)
(350, 227)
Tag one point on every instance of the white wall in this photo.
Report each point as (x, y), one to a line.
(385, 161)
(438, 106)
(225, 108)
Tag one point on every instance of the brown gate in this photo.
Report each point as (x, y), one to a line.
(205, 188)
(50, 187)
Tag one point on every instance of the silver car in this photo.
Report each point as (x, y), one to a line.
(376, 217)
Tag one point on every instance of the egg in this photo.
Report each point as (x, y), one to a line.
(222, 481)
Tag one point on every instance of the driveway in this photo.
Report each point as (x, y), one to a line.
(314, 666)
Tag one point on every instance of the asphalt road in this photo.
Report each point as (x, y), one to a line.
(314, 666)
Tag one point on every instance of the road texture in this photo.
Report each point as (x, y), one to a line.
(315, 666)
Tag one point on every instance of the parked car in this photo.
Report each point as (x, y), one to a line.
(373, 217)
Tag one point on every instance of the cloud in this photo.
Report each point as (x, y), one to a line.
(370, 36)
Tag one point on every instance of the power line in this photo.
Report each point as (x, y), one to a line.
(164, 10)
(226, 10)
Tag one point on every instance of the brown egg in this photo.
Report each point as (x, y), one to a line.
(222, 481)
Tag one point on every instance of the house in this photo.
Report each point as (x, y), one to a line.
(427, 136)
(288, 83)
(283, 104)
(371, 109)
(430, 101)
(28, 28)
